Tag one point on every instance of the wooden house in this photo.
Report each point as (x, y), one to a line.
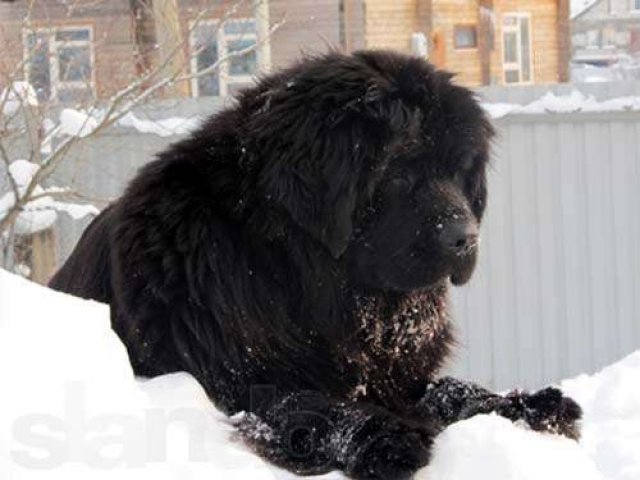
(482, 41)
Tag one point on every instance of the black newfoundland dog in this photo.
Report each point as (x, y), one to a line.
(294, 255)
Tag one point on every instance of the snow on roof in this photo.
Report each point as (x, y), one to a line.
(163, 128)
(575, 102)
(580, 6)
(79, 123)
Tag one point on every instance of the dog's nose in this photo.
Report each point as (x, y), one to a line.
(459, 238)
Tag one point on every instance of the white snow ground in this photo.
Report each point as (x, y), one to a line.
(71, 409)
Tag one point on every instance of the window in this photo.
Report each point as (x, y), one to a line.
(209, 42)
(465, 36)
(59, 63)
(635, 5)
(516, 40)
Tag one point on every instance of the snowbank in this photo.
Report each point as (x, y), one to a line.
(72, 409)
(611, 433)
(490, 447)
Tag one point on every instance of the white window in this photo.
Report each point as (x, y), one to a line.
(635, 5)
(517, 58)
(59, 63)
(211, 41)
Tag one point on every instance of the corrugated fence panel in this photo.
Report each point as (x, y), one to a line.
(560, 268)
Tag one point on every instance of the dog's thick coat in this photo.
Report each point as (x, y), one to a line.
(294, 255)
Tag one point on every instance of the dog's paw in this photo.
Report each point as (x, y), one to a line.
(394, 454)
(549, 411)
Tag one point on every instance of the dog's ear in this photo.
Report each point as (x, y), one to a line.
(315, 180)
(315, 148)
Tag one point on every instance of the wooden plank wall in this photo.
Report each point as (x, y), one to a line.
(390, 23)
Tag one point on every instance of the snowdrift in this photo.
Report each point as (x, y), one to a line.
(71, 408)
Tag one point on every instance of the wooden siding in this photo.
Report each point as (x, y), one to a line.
(390, 23)
(311, 26)
(465, 63)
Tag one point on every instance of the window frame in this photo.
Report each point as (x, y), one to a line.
(225, 79)
(458, 26)
(517, 66)
(634, 6)
(53, 45)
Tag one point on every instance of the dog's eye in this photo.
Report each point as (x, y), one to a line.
(468, 162)
(460, 178)
(464, 167)
(471, 161)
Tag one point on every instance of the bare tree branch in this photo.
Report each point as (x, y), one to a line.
(12, 181)
(118, 105)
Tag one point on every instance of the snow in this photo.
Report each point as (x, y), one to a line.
(579, 6)
(493, 446)
(20, 93)
(611, 433)
(77, 123)
(575, 102)
(163, 128)
(72, 409)
(41, 213)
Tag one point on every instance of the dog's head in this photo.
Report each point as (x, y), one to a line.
(380, 158)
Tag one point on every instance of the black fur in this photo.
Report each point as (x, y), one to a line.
(296, 241)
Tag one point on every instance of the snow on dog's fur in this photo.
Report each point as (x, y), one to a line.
(294, 255)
